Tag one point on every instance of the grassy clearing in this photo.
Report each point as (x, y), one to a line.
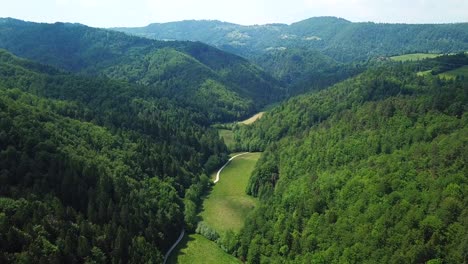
(414, 57)
(424, 73)
(228, 137)
(227, 206)
(197, 249)
(462, 71)
(253, 118)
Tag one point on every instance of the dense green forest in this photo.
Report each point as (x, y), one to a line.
(316, 52)
(302, 70)
(93, 169)
(106, 140)
(371, 170)
(227, 87)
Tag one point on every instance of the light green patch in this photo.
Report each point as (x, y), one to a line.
(227, 206)
(462, 71)
(228, 137)
(424, 73)
(414, 57)
(197, 249)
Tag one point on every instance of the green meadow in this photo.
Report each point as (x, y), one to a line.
(227, 206)
(196, 248)
(414, 57)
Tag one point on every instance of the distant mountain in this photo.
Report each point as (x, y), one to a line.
(338, 38)
(291, 53)
(222, 85)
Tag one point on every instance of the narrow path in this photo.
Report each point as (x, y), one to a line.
(174, 246)
(217, 174)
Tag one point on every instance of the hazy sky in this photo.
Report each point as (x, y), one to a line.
(109, 13)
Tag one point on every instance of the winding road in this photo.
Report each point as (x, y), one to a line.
(217, 174)
(174, 246)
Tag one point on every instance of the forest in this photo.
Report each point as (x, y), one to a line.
(82, 156)
(371, 170)
(108, 141)
(227, 87)
(317, 52)
(338, 38)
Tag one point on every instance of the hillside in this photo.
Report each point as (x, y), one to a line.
(317, 52)
(372, 170)
(302, 70)
(94, 169)
(226, 86)
(338, 38)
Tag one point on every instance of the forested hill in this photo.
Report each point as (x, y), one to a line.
(95, 170)
(372, 170)
(317, 52)
(340, 39)
(224, 86)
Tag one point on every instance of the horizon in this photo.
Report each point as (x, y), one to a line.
(229, 22)
(139, 13)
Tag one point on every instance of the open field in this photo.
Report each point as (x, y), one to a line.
(414, 57)
(228, 137)
(424, 73)
(462, 71)
(197, 249)
(227, 206)
(253, 118)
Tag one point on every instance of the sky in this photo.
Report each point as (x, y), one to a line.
(132, 13)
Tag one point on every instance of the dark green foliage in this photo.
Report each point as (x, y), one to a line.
(372, 170)
(178, 70)
(94, 170)
(206, 231)
(303, 70)
(444, 63)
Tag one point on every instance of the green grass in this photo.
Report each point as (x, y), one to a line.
(228, 137)
(424, 73)
(227, 206)
(197, 249)
(462, 71)
(414, 57)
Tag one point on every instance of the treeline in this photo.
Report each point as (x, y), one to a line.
(443, 63)
(95, 170)
(372, 170)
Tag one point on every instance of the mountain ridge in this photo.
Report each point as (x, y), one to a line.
(91, 51)
(256, 38)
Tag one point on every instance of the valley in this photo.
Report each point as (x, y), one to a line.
(201, 141)
(224, 211)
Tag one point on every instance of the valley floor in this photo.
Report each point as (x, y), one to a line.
(224, 209)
